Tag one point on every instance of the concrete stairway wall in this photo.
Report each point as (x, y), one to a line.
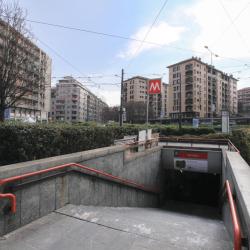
(41, 198)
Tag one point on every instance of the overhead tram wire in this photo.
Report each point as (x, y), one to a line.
(61, 57)
(224, 31)
(232, 22)
(150, 28)
(236, 66)
(109, 35)
(97, 83)
(235, 27)
(128, 38)
(112, 75)
(90, 77)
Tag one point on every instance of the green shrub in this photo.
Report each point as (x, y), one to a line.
(22, 142)
(241, 139)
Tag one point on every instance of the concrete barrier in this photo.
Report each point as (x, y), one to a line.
(42, 197)
(237, 171)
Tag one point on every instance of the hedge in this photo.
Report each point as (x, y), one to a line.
(23, 142)
(241, 139)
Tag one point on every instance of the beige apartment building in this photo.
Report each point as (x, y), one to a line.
(201, 89)
(244, 101)
(72, 102)
(135, 90)
(36, 103)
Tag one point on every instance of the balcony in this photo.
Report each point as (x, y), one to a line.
(189, 88)
(189, 93)
(189, 67)
(189, 101)
(189, 72)
(189, 108)
(189, 80)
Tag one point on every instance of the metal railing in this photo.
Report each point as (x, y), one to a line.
(148, 143)
(92, 171)
(232, 147)
(196, 140)
(235, 219)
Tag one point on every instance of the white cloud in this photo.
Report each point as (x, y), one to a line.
(111, 96)
(162, 33)
(216, 29)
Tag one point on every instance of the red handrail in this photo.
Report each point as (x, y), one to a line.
(12, 199)
(118, 179)
(235, 219)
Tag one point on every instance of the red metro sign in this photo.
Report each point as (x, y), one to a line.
(154, 86)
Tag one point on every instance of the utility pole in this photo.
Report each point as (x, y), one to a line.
(121, 105)
(180, 115)
(212, 99)
(147, 105)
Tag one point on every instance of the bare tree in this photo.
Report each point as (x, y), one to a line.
(110, 114)
(20, 72)
(136, 112)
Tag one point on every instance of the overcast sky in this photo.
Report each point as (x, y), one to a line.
(183, 28)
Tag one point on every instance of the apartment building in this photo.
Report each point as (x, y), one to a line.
(36, 103)
(72, 102)
(198, 89)
(244, 101)
(135, 90)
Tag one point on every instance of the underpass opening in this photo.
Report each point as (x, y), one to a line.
(193, 187)
(192, 176)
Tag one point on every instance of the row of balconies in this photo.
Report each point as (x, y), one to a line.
(189, 101)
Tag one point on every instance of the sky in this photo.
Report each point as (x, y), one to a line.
(181, 31)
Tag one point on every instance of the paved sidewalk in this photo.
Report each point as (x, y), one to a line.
(93, 228)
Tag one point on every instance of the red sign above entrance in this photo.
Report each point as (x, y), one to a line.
(154, 86)
(191, 154)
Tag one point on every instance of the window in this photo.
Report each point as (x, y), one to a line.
(189, 66)
(176, 68)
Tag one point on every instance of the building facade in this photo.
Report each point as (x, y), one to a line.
(35, 104)
(71, 102)
(200, 90)
(244, 101)
(135, 90)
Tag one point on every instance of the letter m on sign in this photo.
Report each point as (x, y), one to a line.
(154, 86)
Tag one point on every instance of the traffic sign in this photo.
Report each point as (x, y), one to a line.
(154, 86)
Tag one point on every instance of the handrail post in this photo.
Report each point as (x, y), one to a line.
(12, 199)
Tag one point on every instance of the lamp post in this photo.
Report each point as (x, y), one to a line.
(180, 114)
(121, 102)
(212, 105)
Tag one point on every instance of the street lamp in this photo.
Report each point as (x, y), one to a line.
(212, 105)
(121, 102)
